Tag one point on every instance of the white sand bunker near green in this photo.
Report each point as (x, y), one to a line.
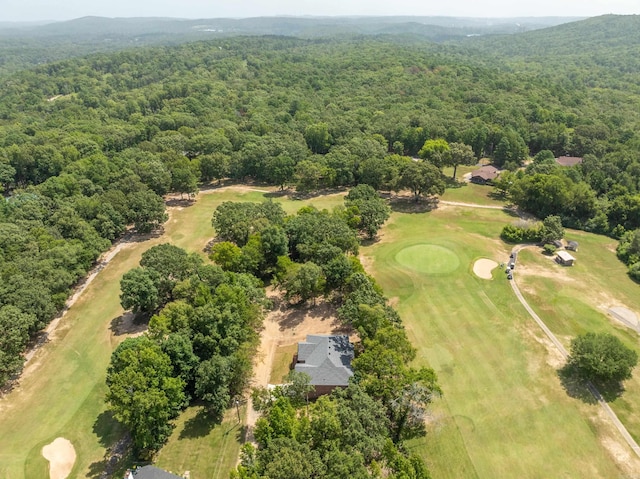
(482, 268)
(61, 456)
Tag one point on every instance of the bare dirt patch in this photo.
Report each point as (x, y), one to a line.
(483, 267)
(554, 358)
(61, 456)
(618, 450)
(553, 272)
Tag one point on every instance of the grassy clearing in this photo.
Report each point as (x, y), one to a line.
(428, 258)
(282, 363)
(471, 193)
(504, 412)
(460, 172)
(62, 392)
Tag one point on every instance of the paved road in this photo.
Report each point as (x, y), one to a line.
(596, 394)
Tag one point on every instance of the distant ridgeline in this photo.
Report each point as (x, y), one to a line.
(23, 45)
(88, 146)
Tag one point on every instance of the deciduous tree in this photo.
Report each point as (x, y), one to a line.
(601, 357)
(139, 290)
(422, 178)
(143, 393)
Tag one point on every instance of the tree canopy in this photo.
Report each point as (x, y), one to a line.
(601, 357)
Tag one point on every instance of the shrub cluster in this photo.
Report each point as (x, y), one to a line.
(523, 232)
(629, 252)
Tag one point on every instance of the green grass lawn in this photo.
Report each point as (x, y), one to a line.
(62, 393)
(202, 447)
(573, 300)
(282, 363)
(471, 193)
(504, 413)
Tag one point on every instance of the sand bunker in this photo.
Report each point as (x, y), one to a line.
(61, 456)
(482, 268)
(625, 316)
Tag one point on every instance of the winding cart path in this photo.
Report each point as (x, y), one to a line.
(559, 346)
(592, 389)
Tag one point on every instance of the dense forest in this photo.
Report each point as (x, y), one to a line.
(89, 146)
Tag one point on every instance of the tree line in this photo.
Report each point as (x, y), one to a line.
(360, 430)
(201, 337)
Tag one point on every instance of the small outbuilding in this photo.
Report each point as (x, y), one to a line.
(327, 360)
(572, 246)
(557, 243)
(484, 175)
(568, 160)
(564, 258)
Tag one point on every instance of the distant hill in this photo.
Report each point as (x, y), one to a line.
(588, 36)
(24, 45)
(299, 26)
(600, 52)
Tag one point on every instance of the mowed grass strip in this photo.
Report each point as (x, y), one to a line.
(504, 413)
(62, 392)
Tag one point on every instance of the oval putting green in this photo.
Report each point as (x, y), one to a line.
(429, 259)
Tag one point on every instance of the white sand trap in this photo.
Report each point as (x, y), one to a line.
(482, 268)
(625, 316)
(61, 456)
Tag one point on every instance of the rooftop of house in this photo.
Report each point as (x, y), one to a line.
(568, 160)
(327, 359)
(486, 172)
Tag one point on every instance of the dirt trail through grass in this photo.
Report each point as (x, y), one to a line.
(48, 332)
(472, 205)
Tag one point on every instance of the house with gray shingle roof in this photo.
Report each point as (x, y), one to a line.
(327, 360)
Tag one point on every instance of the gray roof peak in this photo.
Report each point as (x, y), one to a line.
(326, 358)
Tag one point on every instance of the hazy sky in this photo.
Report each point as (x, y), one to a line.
(26, 10)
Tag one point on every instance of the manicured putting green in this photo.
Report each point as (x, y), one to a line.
(428, 259)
